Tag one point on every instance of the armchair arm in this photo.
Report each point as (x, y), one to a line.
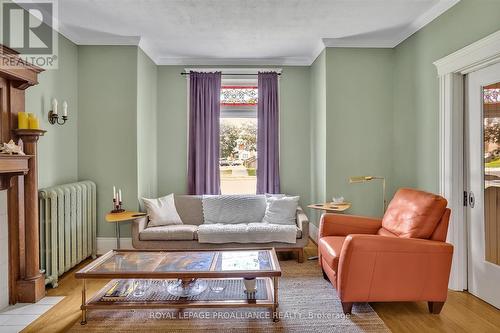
(343, 225)
(378, 268)
(303, 223)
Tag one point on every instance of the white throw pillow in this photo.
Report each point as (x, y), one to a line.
(281, 210)
(162, 211)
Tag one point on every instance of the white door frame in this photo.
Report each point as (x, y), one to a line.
(451, 71)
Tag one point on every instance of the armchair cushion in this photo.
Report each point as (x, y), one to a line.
(329, 249)
(414, 214)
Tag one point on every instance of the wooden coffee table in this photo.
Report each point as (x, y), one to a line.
(174, 270)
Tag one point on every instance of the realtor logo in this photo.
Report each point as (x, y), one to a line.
(28, 27)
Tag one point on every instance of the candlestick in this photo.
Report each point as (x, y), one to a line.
(117, 203)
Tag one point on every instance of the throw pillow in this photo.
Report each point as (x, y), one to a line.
(235, 208)
(162, 211)
(281, 210)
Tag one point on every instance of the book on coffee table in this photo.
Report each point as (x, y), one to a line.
(120, 290)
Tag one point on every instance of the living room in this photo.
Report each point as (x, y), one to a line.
(214, 164)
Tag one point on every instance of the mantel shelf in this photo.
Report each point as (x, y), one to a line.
(14, 164)
(11, 166)
(22, 132)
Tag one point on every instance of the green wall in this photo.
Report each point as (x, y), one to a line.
(107, 131)
(295, 167)
(359, 103)
(416, 93)
(317, 133)
(351, 126)
(147, 178)
(294, 131)
(58, 149)
(172, 130)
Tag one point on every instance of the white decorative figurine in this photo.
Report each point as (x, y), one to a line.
(11, 148)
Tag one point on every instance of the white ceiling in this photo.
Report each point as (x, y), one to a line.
(286, 32)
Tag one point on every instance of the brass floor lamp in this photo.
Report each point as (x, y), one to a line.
(366, 179)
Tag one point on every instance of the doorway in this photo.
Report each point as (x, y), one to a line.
(482, 182)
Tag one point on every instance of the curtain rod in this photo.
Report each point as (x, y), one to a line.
(187, 73)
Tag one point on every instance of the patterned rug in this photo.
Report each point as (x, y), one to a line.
(308, 303)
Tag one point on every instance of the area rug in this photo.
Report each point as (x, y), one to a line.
(308, 303)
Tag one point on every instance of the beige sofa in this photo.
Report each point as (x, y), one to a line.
(185, 236)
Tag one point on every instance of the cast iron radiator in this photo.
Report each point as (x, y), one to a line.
(67, 227)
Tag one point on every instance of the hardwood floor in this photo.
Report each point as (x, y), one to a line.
(462, 312)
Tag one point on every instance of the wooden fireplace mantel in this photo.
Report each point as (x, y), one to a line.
(12, 166)
(18, 174)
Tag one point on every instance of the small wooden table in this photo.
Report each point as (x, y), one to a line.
(122, 217)
(331, 207)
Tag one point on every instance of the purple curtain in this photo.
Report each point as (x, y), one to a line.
(268, 177)
(204, 117)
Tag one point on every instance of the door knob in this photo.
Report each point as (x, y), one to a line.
(472, 199)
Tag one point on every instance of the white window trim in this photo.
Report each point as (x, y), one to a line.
(451, 71)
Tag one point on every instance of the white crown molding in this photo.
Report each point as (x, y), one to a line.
(482, 53)
(285, 61)
(427, 17)
(421, 21)
(368, 43)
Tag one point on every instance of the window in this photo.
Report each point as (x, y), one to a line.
(239, 96)
(492, 95)
(238, 138)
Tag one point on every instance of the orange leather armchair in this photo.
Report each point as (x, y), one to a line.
(402, 257)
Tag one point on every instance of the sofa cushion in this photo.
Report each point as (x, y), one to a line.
(169, 232)
(330, 248)
(162, 211)
(413, 213)
(230, 209)
(281, 210)
(190, 208)
(247, 233)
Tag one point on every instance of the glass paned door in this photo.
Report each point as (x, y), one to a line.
(482, 165)
(491, 137)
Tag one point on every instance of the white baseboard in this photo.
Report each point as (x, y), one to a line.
(105, 244)
(313, 232)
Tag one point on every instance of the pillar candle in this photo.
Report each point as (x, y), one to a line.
(33, 123)
(22, 120)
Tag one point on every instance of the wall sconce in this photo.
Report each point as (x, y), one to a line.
(54, 116)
